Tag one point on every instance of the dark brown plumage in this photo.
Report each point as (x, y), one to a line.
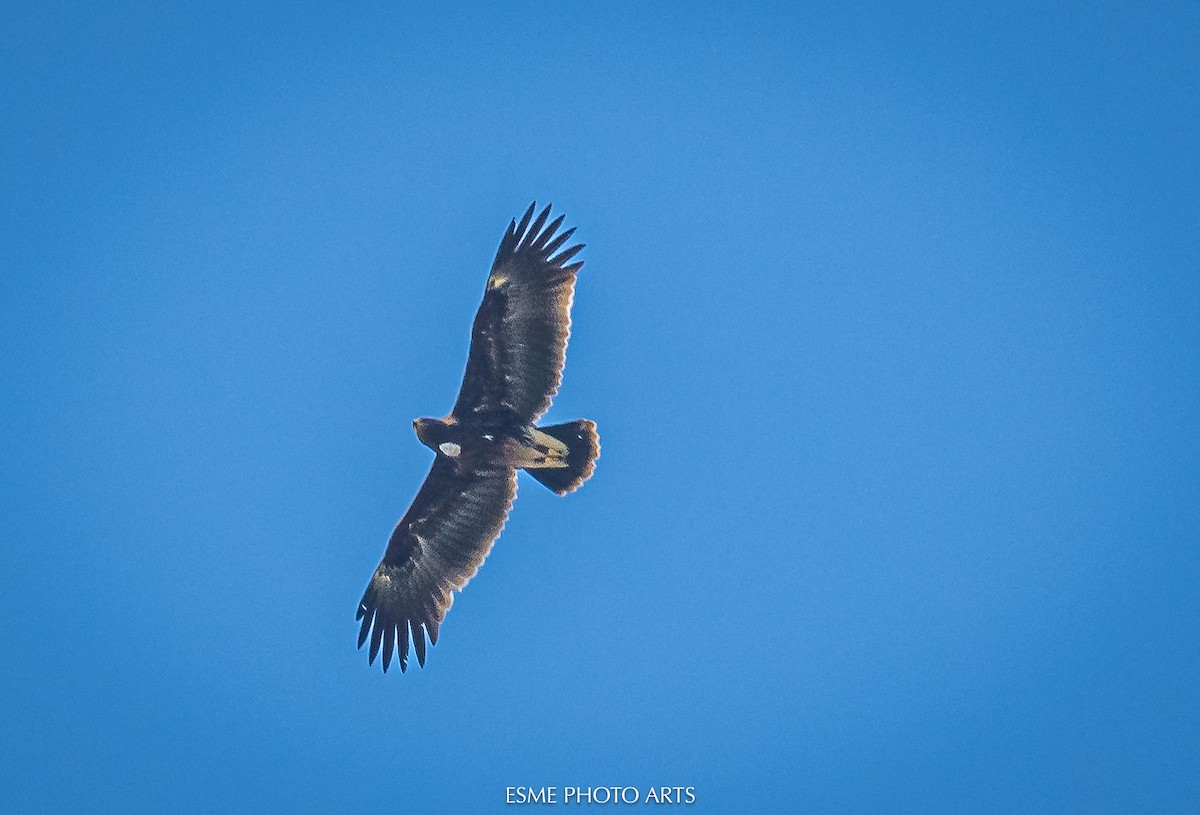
(514, 368)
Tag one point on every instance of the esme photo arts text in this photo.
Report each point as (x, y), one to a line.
(599, 795)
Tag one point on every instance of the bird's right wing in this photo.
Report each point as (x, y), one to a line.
(434, 550)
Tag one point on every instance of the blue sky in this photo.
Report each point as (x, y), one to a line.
(889, 323)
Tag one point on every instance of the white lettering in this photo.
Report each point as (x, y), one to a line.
(530, 795)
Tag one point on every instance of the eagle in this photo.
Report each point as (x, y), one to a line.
(514, 368)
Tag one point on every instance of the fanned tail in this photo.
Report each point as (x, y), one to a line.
(583, 448)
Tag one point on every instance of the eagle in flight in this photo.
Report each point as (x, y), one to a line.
(514, 368)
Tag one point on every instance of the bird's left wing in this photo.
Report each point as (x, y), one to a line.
(519, 337)
(436, 548)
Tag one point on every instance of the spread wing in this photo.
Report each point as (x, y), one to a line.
(519, 338)
(436, 548)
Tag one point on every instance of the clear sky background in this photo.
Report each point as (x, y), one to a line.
(890, 322)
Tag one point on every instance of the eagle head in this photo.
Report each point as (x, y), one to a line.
(431, 432)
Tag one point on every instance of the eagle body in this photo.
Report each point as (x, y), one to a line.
(480, 445)
(514, 367)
